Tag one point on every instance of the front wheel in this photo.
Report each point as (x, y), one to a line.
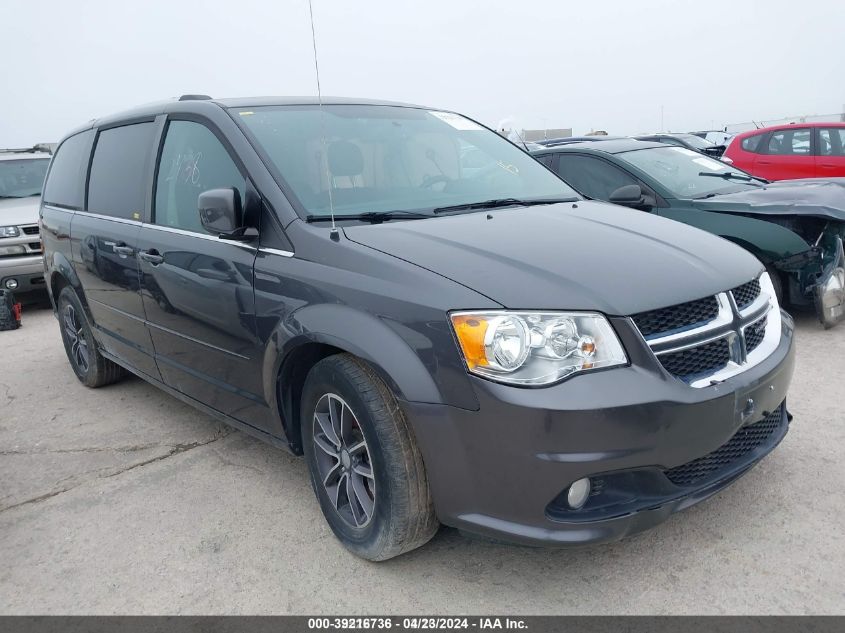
(91, 367)
(365, 467)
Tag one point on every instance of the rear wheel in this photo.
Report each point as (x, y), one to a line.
(91, 367)
(365, 467)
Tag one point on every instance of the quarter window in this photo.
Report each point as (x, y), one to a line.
(790, 143)
(593, 177)
(65, 184)
(832, 141)
(752, 143)
(117, 185)
(192, 161)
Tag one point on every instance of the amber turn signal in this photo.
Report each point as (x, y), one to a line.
(471, 330)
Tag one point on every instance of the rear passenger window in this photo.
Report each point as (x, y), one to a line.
(790, 142)
(193, 160)
(117, 185)
(65, 186)
(752, 143)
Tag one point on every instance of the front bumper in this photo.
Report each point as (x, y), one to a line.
(28, 271)
(500, 471)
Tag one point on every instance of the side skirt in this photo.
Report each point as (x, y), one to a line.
(278, 442)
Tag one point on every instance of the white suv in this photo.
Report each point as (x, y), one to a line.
(21, 180)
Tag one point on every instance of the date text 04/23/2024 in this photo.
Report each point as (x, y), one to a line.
(416, 623)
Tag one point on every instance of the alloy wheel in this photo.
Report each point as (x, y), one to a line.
(76, 339)
(343, 460)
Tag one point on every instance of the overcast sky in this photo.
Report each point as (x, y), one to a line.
(589, 64)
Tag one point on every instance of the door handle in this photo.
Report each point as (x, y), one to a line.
(119, 248)
(216, 275)
(764, 162)
(152, 256)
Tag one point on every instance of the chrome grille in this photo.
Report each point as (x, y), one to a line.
(745, 294)
(677, 317)
(708, 340)
(30, 230)
(754, 334)
(699, 360)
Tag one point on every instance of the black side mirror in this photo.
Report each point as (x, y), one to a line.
(221, 214)
(632, 196)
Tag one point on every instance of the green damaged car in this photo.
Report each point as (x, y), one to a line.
(795, 227)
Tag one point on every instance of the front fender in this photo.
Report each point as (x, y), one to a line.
(408, 362)
(768, 241)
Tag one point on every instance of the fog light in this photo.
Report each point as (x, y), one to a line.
(11, 284)
(577, 494)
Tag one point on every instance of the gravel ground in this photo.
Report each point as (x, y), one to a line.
(125, 500)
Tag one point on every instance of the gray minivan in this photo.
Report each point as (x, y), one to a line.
(476, 346)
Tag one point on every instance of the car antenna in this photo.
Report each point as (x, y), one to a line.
(335, 234)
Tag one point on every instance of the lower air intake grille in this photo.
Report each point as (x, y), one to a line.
(746, 440)
(706, 358)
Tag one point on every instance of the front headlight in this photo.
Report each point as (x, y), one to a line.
(535, 348)
(9, 231)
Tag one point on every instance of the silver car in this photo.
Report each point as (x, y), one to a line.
(21, 180)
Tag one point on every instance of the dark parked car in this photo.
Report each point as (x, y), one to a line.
(690, 141)
(717, 137)
(476, 346)
(795, 228)
(566, 140)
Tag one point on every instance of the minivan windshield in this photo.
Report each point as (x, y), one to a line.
(688, 174)
(21, 178)
(358, 159)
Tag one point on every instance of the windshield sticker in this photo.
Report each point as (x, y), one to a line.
(709, 163)
(513, 169)
(456, 120)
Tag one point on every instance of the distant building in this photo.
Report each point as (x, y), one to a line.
(538, 135)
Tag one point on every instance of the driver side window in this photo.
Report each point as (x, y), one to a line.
(193, 160)
(591, 176)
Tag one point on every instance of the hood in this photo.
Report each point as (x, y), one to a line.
(816, 197)
(589, 256)
(17, 211)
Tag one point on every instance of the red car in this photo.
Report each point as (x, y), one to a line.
(783, 152)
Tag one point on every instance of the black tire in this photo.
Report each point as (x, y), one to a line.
(777, 284)
(402, 513)
(91, 367)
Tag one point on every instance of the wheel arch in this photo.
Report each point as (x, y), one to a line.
(63, 274)
(326, 330)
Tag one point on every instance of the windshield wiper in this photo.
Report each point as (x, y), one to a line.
(502, 202)
(732, 175)
(374, 217)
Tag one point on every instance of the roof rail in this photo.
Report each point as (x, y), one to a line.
(194, 98)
